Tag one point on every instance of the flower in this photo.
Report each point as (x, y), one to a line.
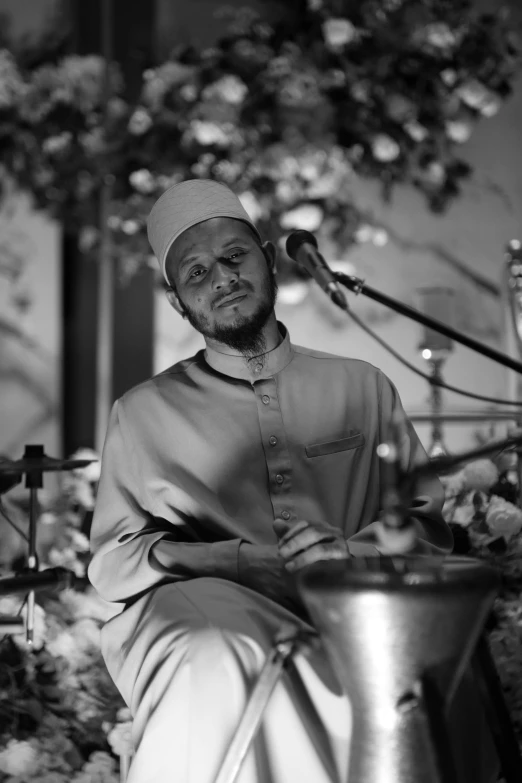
(140, 122)
(90, 473)
(417, 131)
(207, 133)
(120, 739)
(338, 32)
(464, 514)
(53, 145)
(474, 94)
(438, 34)
(19, 759)
(384, 148)
(308, 217)
(458, 130)
(503, 518)
(480, 475)
(229, 88)
(143, 181)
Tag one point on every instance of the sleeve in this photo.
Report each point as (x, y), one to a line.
(434, 535)
(133, 551)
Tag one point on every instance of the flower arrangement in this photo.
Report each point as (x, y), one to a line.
(481, 508)
(61, 718)
(291, 115)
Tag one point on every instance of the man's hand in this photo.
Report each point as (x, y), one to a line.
(304, 543)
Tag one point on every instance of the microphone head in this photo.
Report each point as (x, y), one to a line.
(298, 238)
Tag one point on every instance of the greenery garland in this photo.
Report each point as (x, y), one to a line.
(291, 115)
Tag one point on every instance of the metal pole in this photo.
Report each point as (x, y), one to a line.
(104, 343)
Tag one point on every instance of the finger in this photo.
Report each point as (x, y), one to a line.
(316, 554)
(303, 540)
(285, 531)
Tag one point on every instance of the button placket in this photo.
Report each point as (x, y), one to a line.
(278, 464)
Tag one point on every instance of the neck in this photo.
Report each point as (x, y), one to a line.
(270, 333)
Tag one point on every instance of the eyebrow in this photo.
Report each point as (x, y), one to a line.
(229, 242)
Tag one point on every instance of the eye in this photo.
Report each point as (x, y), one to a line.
(234, 254)
(194, 274)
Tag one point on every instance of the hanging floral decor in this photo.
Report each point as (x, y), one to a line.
(290, 115)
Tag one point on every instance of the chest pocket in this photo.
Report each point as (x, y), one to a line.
(353, 441)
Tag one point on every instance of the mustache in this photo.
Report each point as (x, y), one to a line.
(236, 292)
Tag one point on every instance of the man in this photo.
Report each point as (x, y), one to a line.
(222, 477)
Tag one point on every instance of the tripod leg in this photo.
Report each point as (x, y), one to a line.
(498, 717)
(253, 714)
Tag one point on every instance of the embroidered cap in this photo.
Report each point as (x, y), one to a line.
(186, 204)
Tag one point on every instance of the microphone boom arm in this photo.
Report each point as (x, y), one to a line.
(358, 286)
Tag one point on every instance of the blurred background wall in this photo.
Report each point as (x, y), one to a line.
(462, 249)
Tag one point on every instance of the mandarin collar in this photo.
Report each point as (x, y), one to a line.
(236, 366)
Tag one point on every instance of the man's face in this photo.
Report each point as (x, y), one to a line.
(214, 261)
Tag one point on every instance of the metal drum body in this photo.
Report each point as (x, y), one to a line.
(387, 623)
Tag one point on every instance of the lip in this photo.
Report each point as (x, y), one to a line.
(232, 300)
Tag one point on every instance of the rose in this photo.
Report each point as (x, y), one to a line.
(438, 34)
(142, 181)
(384, 148)
(229, 89)
(503, 518)
(338, 32)
(417, 131)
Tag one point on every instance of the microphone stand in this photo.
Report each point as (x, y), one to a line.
(358, 286)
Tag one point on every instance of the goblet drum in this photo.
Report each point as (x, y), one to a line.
(399, 633)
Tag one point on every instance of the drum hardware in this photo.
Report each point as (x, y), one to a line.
(33, 465)
(399, 631)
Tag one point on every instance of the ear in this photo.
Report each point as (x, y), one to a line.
(270, 252)
(174, 302)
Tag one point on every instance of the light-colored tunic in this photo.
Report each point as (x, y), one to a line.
(198, 462)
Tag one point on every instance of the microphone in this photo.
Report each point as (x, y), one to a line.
(302, 247)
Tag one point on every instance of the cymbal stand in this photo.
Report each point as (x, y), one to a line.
(33, 482)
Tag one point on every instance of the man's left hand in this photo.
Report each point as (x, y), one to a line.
(303, 543)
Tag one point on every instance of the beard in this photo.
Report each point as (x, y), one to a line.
(245, 334)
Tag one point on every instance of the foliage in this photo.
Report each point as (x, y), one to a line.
(291, 115)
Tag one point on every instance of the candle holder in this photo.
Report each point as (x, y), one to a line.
(436, 302)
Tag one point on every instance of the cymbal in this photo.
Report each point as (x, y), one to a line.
(42, 465)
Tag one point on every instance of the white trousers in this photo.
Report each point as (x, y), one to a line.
(185, 658)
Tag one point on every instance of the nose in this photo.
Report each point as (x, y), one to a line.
(223, 275)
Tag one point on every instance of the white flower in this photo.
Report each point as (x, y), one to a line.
(143, 181)
(140, 122)
(338, 32)
(307, 216)
(56, 144)
(503, 518)
(66, 558)
(252, 205)
(315, 5)
(435, 173)
(286, 192)
(438, 34)
(363, 233)
(188, 92)
(229, 89)
(417, 131)
(19, 759)
(130, 227)
(474, 94)
(120, 739)
(480, 475)
(458, 131)
(62, 646)
(207, 133)
(384, 148)
(463, 515)
(380, 237)
(90, 473)
(449, 76)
